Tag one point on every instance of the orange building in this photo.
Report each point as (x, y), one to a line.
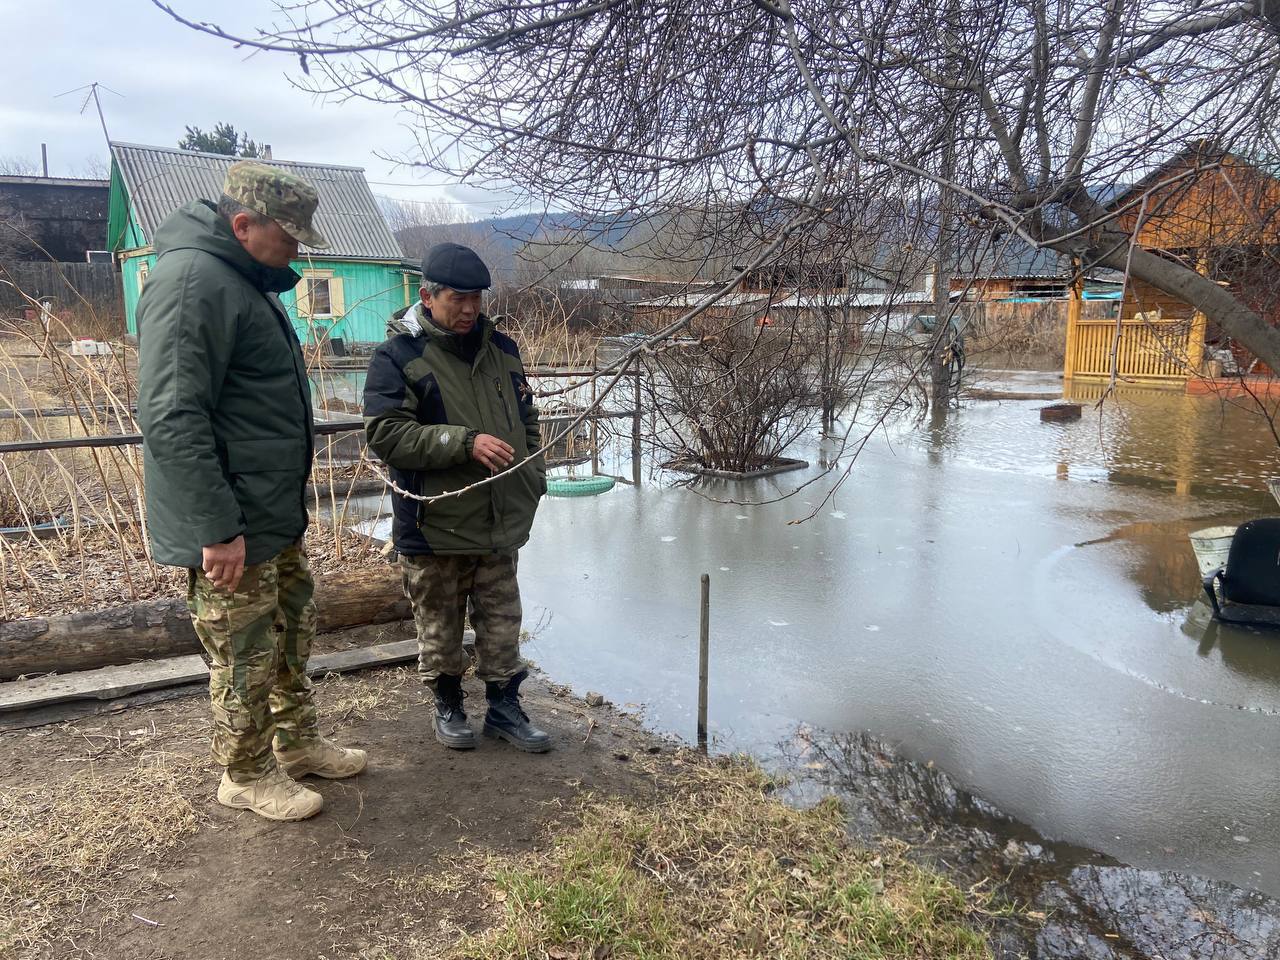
(1217, 214)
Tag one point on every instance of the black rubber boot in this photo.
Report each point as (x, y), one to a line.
(506, 718)
(452, 728)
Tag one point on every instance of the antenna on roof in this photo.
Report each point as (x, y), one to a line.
(97, 102)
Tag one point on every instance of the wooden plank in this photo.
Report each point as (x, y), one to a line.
(105, 683)
(109, 683)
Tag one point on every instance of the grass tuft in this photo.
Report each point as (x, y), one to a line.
(719, 868)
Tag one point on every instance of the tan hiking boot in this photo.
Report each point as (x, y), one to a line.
(273, 795)
(322, 757)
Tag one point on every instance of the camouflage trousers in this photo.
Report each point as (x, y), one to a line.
(438, 589)
(256, 642)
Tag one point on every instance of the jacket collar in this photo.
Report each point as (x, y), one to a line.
(467, 346)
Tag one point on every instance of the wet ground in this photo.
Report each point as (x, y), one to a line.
(1011, 601)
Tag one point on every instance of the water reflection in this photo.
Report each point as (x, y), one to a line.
(1157, 438)
(1159, 560)
(1249, 651)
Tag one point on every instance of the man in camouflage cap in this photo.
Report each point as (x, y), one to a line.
(225, 409)
(283, 197)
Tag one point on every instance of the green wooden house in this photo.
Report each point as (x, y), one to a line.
(347, 291)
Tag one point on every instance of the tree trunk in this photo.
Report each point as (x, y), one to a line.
(940, 346)
(162, 628)
(1216, 303)
(941, 356)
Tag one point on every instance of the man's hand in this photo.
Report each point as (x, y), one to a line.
(224, 563)
(493, 453)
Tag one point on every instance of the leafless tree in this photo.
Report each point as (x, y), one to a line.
(733, 399)
(16, 166)
(1041, 105)
(420, 224)
(93, 168)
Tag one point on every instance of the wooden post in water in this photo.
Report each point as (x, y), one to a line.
(1073, 326)
(704, 634)
(635, 430)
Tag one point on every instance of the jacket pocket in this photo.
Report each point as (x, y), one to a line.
(458, 524)
(267, 477)
(266, 455)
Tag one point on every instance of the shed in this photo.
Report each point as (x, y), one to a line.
(1014, 271)
(347, 291)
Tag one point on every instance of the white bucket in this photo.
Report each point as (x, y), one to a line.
(1212, 544)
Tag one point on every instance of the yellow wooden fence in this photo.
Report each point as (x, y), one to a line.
(1144, 348)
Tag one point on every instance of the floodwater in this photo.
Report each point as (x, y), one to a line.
(1015, 602)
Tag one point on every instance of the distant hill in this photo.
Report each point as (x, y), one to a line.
(499, 238)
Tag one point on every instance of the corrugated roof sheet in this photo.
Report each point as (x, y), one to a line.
(1011, 257)
(160, 180)
(866, 300)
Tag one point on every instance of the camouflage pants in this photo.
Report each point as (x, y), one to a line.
(438, 589)
(257, 641)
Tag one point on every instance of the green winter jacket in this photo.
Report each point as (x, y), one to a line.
(422, 398)
(223, 398)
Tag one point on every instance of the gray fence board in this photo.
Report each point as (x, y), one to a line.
(98, 283)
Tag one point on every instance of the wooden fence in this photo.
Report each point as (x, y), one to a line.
(70, 286)
(1143, 349)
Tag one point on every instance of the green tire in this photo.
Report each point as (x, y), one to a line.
(578, 486)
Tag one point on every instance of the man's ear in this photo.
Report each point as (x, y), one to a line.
(240, 224)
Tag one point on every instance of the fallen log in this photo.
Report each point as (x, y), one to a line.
(978, 393)
(162, 628)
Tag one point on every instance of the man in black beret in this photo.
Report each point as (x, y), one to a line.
(446, 407)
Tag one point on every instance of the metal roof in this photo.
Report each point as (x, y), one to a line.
(160, 180)
(33, 181)
(1012, 258)
(865, 300)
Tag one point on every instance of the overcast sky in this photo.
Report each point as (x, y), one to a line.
(168, 76)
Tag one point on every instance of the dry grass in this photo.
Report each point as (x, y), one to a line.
(21, 481)
(40, 578)
(542, 330)
(71, 853)
(347, 698)
(717, 868)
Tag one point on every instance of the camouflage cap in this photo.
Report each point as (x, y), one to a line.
(284, 197)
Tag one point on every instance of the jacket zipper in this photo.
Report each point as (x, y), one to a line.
(497, 382)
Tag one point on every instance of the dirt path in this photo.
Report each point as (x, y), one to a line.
(196, 880)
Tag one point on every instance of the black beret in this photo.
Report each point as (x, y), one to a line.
(456, 266)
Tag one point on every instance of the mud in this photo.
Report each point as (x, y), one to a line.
(1086, 906)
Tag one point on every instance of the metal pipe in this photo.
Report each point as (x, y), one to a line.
(322, 428)
(635, 431)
